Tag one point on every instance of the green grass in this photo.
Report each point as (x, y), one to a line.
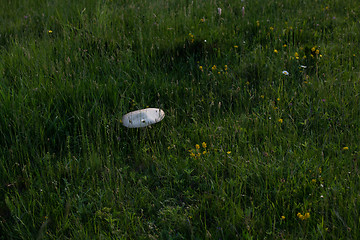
(276, 145)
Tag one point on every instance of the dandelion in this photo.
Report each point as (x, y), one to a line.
(313, 49)
(313, 180)
(280, 120)
(278, 99)
(228, 152)
(197, 146)
(275, 51)
(201, 68)
(345, 148)
(213, 67)
(236, 46)
(204, 152)
(204, 144)
(226, 67)
(282, 217)
(284, 45)
(317, 52)
(49, 31)
(285, 73)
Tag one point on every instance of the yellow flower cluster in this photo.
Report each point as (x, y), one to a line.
(197, 152)
(215, 69)
(303, 217)
(192, 37)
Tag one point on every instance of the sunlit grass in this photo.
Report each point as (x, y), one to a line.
(261, 131)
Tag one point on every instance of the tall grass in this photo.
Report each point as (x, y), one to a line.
(244, 152)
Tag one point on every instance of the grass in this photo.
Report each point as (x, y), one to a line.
(277, 154)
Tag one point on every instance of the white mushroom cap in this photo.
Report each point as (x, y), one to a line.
(143, 117)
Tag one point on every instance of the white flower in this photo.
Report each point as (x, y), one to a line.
(302, 66)
(219, 11)
(285, 73)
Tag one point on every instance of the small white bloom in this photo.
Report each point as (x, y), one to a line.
(219, 11)
(285, 73)
(205, 40)
(322, 196)
(302, 66)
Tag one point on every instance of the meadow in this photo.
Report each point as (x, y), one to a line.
(260, 138)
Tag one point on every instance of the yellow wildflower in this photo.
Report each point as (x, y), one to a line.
(303, 217)
(204, 152)
(280, 120)
(275, 51)
(236, 46)
(197, 146)
(257, 23)
(282, 217)
(317, 52)
(271, 28)
(345, 148)
(213, 67)
(228, 152)
(192, 154)
(284, 45)
(226, 67)
(201, 68)
(204, 144)
(313, 49)
(49, 31)
(313, 180)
